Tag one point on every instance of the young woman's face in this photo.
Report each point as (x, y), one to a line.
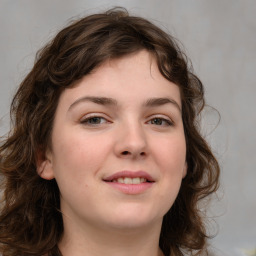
(118, 147)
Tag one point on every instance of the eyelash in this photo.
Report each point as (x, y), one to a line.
(167, 121)
(87, 121)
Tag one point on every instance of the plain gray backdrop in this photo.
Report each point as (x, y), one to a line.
(220, 39)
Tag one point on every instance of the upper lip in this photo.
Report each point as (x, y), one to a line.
(129, 174)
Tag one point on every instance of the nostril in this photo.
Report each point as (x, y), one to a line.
(128, 153)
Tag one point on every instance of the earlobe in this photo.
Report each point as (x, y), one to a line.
(185, 170)
(44, 165)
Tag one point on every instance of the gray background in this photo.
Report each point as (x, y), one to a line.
(220, 38)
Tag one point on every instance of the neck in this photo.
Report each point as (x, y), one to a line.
(97, 241)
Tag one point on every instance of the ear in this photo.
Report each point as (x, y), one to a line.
(184, 173)
(44, 165)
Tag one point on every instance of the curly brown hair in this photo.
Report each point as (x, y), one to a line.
(30, 218)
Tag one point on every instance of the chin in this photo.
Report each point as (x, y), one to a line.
(132, 219)
(130, 224)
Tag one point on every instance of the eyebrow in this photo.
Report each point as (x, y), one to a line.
(105, 101)
(155, 102)
(98, 100)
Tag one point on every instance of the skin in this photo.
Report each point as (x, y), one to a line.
(92, 140)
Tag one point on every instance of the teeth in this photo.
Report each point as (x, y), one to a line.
(142, 180)
(136, 181)
(120, 180)
(127, 180)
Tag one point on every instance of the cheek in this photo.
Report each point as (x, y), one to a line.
(171, 154)
(78, 155)
(75, 164)
(171, 160)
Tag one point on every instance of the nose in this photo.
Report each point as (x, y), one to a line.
(131, 141)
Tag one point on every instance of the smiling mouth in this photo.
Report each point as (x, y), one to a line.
(130, 182)
(127, 180)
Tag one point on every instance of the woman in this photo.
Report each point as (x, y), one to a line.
(105, 156)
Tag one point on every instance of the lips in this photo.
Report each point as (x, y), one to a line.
(129, 177)
(129, 182)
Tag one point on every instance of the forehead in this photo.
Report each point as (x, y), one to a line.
(135, 75)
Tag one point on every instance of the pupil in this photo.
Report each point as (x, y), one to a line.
(95, 120)
(157, 121)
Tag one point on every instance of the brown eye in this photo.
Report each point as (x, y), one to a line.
(160, 121)
(94, 120)
(157, 121)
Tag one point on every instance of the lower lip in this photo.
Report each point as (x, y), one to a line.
(131, 189)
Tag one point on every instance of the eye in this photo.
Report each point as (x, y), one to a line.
(94, 120)
(159, 121)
